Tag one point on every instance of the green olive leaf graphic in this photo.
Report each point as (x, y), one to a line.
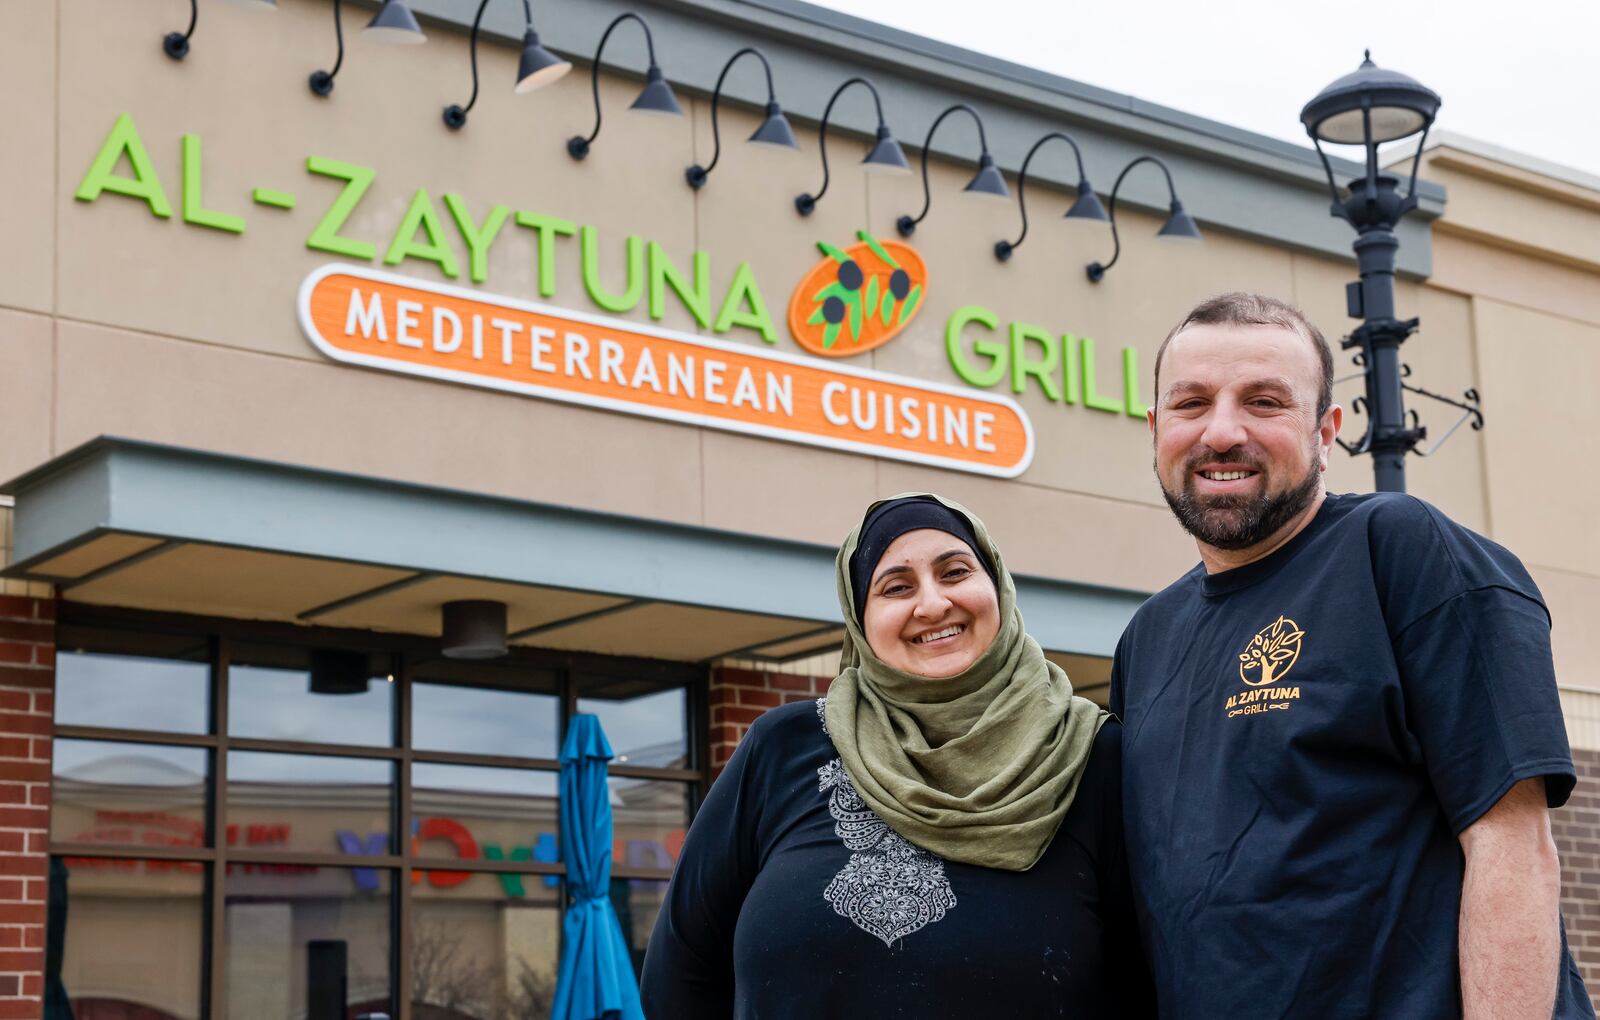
(832, 252)
(910, 302)
(877, 249)
(870, 300)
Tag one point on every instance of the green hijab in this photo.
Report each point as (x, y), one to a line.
(980, 767)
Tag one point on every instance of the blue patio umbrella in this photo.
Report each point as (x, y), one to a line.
(596, 977)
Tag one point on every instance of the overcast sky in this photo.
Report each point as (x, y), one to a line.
(1521, 75)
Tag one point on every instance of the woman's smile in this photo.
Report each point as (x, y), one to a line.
(931, 608)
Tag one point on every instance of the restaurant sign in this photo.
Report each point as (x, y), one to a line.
(394, 323)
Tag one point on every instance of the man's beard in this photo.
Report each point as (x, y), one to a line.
(1239, 522)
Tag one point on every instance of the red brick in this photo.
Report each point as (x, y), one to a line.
(45, 609)
(749, 678)
(33, 984)
(14, 747)
(41, 749)
(44, 702)
(20, 960)
(11, 652)
(30, 771)
(785, 682)
(45, 655)
(823, 683)
(18, 607)
(24, 818)
(33, 936)
(39, 796)
(11, 892)
(38, 842)
(29, 676)
(25, 722)
(27, 631)
(26, 866)
(16, 701)
(758, 699)
(18, 913)
(13, 793)
(719, 714)
(19, 1009)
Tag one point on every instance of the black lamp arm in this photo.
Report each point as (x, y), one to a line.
(1416, 162)
(594, 69)
(1022, 183)
(927, 194)
(472, 50)
(716, 96)
(322, 81)
(1333, 188)
(176, 44)
(1116, 239)
(822, 130)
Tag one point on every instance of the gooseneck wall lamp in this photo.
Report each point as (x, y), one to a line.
(774, 130)
(1368, 107)
(655, 97)
(1087, 206)
(537, 68)
(884, 157)
(1179, 226)
(986, 182)
(176, 44)
(394, 23)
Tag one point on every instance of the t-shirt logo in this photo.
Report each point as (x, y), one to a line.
(1271, 653)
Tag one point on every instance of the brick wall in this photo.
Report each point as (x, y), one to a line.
(738, 696)
(27, 690)
(1577, 832)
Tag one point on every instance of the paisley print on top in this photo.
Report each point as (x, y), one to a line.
(890, 887)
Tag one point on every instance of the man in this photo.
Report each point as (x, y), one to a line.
(1341, 729)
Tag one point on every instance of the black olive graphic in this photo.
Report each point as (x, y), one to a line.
(899, 284)
(833, 308)
(850, 277)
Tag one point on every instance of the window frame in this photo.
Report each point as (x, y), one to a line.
(407, 653)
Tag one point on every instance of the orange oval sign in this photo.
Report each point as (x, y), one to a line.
(857, 298)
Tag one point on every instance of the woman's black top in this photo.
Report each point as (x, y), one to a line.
(793, 899)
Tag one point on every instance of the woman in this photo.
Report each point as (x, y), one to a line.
(940, 836)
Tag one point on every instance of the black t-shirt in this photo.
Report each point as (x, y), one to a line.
(793, 900)
(1304, 738)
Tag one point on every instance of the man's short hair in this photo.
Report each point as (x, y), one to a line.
(1241, 309)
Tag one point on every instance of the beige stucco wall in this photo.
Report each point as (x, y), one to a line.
(117, 322)
(1521, 247)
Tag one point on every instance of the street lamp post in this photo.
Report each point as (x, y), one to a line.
(1369, 107)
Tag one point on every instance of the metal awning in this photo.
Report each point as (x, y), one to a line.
(127, 523)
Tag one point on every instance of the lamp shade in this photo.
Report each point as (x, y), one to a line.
(538, 67)
(886, 156)
(1180, 226)
(474, 629)
(1397, 104)
(988, 181)
(775, 130)
(656, 96)
(394, 23)
(1087, 206)
(338, 672)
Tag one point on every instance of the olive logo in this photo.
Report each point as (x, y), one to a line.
(1271, 653)
(857, 298)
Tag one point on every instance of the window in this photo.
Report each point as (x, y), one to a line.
(250, 820)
